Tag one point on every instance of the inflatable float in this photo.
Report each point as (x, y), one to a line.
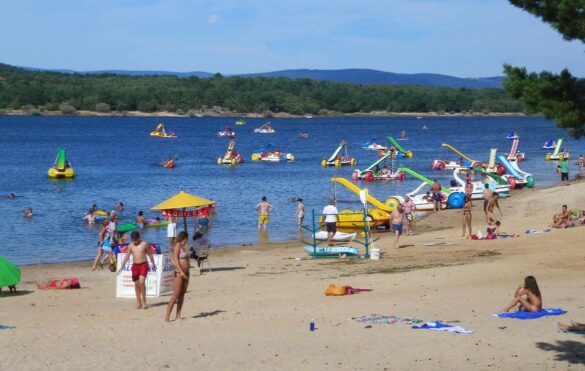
(240, 122)
(464, 162)
(558, 155)
(516, 178)
(62, 168)
(549, 144)
(514, 154)
(227, 132)
(160, 132)
(331, 251)
(268, 153)
(231, 157)
(337, 237)
(265, 129)
(337, 159)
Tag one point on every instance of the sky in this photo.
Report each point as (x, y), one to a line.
(464, 38)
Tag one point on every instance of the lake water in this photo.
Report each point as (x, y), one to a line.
(115, 159)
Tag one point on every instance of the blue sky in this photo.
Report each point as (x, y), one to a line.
(466, 38)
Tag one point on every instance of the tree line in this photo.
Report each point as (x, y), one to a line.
(36, 91)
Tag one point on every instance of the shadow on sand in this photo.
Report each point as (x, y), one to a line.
(208, 314)
(6, 293)
(566, 350)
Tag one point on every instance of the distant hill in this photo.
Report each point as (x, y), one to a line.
(353, 76)
(371, 77)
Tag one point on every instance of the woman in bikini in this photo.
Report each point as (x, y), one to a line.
(180, 258)
(527, 297)
(467, 216)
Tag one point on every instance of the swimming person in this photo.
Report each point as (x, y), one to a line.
(264, 209)
(300, 213)
(331, 217)
(89, 217)
(467, 205)
(180, 258)
(139, 250)
(140, 219)
(397, 216)
(527, 297)
(409, 219)
(27, 212)
(120, 206)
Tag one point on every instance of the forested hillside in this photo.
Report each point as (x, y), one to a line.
(37, 91)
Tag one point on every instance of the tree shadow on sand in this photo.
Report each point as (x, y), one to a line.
(223, 269)
(567, 350)
(208, 314)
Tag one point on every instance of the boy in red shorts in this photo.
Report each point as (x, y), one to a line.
(139, 249)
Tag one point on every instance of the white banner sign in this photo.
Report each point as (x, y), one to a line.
(157, 283)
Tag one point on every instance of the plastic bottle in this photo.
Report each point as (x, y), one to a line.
(312, 325)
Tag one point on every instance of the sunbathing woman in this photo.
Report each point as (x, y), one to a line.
(66, 283)
(527, 297)
(574, 326)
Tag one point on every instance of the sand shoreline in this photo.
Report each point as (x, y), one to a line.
(253, 310)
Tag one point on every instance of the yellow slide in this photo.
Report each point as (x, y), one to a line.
(371, 199)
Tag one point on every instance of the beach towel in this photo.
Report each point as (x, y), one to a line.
(387, 319)
(534, 231)
(2, 327)
(532, 315)
(439, 326)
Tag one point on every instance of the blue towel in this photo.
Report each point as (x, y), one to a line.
(438, 326)
(532, 315)
(2, 327)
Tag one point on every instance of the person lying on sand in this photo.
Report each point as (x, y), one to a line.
(562, 219)
(574, 326)
(527, 297)
(66, 283)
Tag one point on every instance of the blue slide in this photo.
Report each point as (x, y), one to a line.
(504, 161)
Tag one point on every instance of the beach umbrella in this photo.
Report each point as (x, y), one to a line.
(179, 203)
(9, 273)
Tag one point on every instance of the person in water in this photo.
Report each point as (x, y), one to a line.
(89, 217)
(527, 297)
(27, 212)
(140, 219)
(180, 258)
(300, 213)
(264, 209)
(139, 250)
(11, 196)
(120, 206)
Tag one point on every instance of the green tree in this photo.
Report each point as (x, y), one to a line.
(559, 96)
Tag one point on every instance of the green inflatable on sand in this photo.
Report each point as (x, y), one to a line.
(9, 273)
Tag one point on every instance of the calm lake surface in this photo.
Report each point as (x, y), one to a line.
(115, 159)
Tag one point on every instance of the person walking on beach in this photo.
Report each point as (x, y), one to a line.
(397, 216)
(104, 244)
(409, 208)
(300, 213)
(331, 217)
(139, 250)
(436, 190)
(564, 170)
(467, 205)
(581, 162)
(180, 258)
(264, 209)
(487, 196)
(172, 231)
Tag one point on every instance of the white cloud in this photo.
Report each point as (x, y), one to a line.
(213, 19)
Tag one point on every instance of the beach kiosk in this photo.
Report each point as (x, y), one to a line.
(161, 282)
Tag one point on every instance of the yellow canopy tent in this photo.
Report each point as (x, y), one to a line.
(178, 204)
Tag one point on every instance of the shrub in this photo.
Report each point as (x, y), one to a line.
(67, 108)
(192, 113)
(102, 108)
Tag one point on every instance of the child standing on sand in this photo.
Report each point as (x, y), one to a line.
(139, 250)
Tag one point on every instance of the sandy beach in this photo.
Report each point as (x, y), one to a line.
(253, 310)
